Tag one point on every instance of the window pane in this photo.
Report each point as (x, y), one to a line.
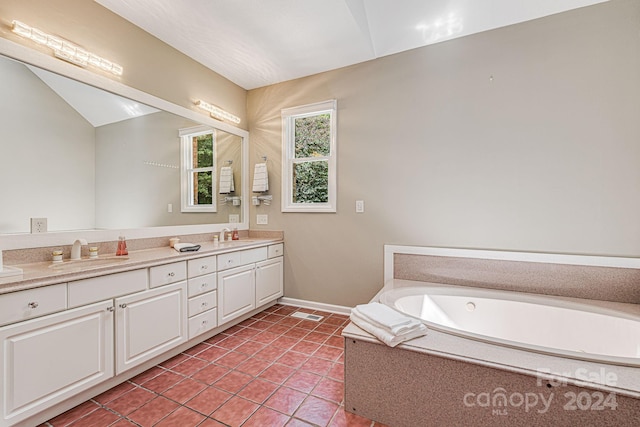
(312, 136)
(202, 188)
(203, 151)
(311, 182)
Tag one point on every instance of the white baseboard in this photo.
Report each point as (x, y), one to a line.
(339, 309)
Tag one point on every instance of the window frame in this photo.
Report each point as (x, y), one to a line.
(187, 169)
(289, 160)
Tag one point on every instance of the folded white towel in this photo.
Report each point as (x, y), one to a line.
(226, 180)
(186, 247)
(385, 336)
(260, 178)
(386, 317)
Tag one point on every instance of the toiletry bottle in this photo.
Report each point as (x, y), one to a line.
(122, 247)
(216, 241)
(235, 235)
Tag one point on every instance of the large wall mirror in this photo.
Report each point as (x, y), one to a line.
(89, 159)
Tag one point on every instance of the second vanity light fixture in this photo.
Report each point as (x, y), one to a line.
(66, 50)
(217, 112)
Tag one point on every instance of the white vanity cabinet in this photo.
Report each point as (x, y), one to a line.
(238, 283)
(149, 323)
(203, 295)
(237, 291)
(62, 340)
(51, 358)
(269, 280)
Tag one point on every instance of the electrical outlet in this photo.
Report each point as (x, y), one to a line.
(262, 219)
(234, 219)
(38, 225)
(359, 206)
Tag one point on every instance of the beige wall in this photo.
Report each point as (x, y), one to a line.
(524, 138)
(150, 65)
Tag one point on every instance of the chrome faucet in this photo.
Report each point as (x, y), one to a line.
(222, 234)
(75, 249)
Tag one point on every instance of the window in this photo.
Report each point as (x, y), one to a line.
(309, 158)
(197, 169)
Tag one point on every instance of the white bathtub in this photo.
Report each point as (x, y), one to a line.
(560, 326)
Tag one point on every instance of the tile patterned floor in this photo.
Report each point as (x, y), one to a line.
(270, 370)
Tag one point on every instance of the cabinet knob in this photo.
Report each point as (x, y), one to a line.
(171, 274)
(111, 309)
(123, 305)
(204, 267)
(33, 304)
(204, 304)
(204, 322)
(204, 285)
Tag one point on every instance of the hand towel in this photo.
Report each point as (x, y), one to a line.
(260, 178)
(385, 336)
(386, 317)
(226, 180)
(186, 247)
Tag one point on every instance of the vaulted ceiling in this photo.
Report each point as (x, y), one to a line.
(256, 43)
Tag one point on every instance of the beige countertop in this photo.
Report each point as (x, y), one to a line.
(47, 273)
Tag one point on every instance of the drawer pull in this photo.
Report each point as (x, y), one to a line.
(204, 322)
(204, 304)
(124, 305)
(204, 285)
(33, 304)
(171, 274)
(111, 309)
(204, 267)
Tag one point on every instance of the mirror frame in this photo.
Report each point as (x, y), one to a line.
(34, 57)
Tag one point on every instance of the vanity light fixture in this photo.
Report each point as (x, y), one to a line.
(66, 50)
(217, 112)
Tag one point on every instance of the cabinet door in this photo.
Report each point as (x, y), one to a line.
(269, 280)
(46, 360)
(149, 323)
(236, 292)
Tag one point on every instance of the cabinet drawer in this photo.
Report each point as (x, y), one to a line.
(200, 266)
(22, 305)
(275, 251)
(96, 289)
(202, 303)
(168, 273)
(236, 259)
(201, 284)
(202, 323)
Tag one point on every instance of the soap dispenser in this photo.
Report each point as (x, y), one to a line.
(122, 247)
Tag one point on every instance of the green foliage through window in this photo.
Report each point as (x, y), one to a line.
(203, 158)
(313, 136)
(311, 178)
(309, 168)
(311, 182)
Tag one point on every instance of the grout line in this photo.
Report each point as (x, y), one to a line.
(277, 314)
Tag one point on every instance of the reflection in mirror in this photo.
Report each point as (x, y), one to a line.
(87, 159)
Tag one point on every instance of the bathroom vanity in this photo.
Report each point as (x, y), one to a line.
(73, 330)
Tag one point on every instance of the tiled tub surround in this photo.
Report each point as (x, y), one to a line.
(111, 322)
(445, 379)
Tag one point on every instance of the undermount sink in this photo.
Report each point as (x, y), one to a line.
(79, 264)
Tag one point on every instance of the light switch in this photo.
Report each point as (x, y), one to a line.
(359, 206)
(262, 219)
